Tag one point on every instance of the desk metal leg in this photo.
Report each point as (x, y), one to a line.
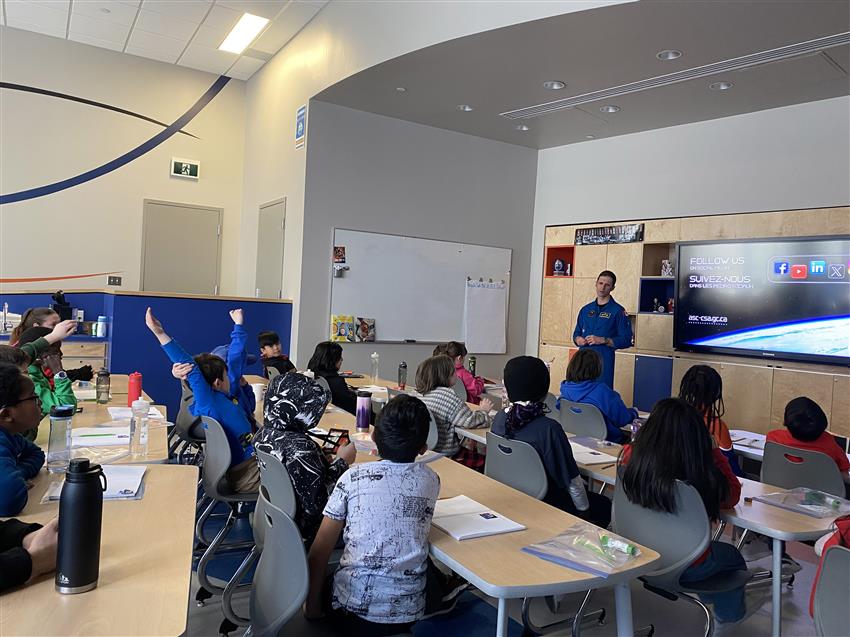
(777, 588)
(502, 618)
(623, 606)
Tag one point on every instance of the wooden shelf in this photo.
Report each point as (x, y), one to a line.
(565, 254)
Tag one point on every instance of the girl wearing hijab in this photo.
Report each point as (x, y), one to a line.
(294, 404)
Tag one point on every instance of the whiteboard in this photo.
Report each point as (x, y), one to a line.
(413, 288)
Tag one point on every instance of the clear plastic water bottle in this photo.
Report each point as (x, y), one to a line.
(402, 375)
(59, 442)
(102, 386)
(139, 428)
(375, 360)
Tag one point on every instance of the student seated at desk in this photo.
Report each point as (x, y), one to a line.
(527, 383)
(45, 317)
(474, 384)
(25, 354)
(674, 444)
(295, 404)
(237, 358)
(272, 355)
(805, 428)
(435, 379)
(583, 385)
(702, 388)
(326, 363)
(26, 551)
(211, 388)
(384, 510)
(20, 459)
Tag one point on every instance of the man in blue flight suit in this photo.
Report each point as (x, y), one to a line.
(602, 325)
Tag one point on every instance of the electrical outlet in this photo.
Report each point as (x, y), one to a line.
(113, 280)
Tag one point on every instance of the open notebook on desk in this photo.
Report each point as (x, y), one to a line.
(464, 519)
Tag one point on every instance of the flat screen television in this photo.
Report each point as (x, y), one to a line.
(785, 299)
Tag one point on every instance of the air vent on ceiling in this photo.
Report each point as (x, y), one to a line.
(725, 66)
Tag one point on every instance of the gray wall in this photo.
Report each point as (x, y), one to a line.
(780, 159)
(374, 173)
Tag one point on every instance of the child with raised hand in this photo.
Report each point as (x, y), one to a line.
(295, 404)
(805, 428)
(272, 355)
(211, 388)
(384, 510)
(51, 380)
(34, 317)
(474, 384)
(236, 358)
(20, 459)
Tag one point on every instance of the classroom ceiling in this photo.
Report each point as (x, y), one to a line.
(182, 32)
(608, 57)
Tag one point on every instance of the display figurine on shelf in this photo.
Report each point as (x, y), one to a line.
(670, 305)
(666, 268)
(559, 268)
(659, 307)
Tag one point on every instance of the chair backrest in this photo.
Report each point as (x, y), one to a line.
(679, 537)
(460, 389)
(275, 483)
(433, 434)
(216, 457)
(816, 471)
(281, 579)
(323, 383)
(271, 372)
(187, 424)
(832, 612)
(392, 393)
(517, 465)
(582, 419)
(551, 401)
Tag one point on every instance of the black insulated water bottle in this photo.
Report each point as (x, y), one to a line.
(80, 516)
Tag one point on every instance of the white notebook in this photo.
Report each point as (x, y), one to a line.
(585, 455)
(464, 519)
(123, 482)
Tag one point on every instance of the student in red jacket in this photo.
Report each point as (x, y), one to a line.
(805, 428)
(675, 444)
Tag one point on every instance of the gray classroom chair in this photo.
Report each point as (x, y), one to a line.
(460, 389)
(582, 419)
(323, 383)
(281, 579)
(551, 402)
(679, 538)
(832, 612)
(271, 372)
(515, 464)
(433, 434)
(188, 429)
(816, 471)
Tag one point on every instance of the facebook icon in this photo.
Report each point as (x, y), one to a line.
(817, 267)
(780, 267)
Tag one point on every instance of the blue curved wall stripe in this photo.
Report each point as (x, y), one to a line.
(73, 98)
(126, 158)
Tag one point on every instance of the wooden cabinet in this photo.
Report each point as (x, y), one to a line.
(654, 332)
(662, 230)
(559, 235)
(584, 291)
(747, 396)
(791, 383)
(624, 376)
(590, 261)
(558, 358)
(556, 319)
(626, 260)
(839, 421)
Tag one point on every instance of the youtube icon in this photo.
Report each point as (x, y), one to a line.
(799, 271)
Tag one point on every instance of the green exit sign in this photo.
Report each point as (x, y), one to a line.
(187, 168)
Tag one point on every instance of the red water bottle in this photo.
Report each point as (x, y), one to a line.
(134, 388)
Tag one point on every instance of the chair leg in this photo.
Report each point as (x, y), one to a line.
(233, 585)
(718, 532)
(709, 618)
(199, 525)
(206, 558)
(530, 628)
(742, 539)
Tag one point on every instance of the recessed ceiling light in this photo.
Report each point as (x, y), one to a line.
(243, 33)
(668, 54)
(554, 85)
(720, 86)
(400, 89)
(466, 108)
(522, 127)
(590, 136)
(609, 108)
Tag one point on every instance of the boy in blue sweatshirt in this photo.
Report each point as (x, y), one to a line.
(20, 459)
(210, 385)
(236, 358)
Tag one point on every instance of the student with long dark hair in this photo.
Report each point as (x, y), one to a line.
(674, 444)
(325, 363)
(702, 388)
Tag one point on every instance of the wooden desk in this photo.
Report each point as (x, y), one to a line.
(145, 566)
(751, 445)
(94, 414)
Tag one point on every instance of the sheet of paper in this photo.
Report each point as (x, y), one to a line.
(586, 456)
(100, 436)
(85, 394)
(125, 413)
(123, 481)
(465, 519)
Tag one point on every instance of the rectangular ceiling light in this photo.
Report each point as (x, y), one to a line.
(243, 33)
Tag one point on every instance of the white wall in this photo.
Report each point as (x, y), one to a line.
(344, 38)
(780, 159)
(375, 173)
(96, 227)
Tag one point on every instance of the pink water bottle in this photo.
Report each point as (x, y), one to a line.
(134, 388)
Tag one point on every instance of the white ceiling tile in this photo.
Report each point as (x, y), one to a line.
(222, 17)
(104, 44)
(245, 67)
(190, 10)
(57, 32)
(155, 42)
(116, 12)
(239, 76)
(206, 59)
(159, 55)
(97, 28)
(47, 18)
(265, 8)
(58, 5)
(210, 37)
(283, 29)
(169, 26)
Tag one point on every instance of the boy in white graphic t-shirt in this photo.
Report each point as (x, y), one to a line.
(385, 509)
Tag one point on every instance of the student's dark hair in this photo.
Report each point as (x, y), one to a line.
(805, 419)
(33, 333)
(440, 349)
(29, 319)
(13, 356)
(584, 365)
(455, 349)
(702, 388)
(212, 367)
(268, 339)
(608, 273)
(401, 429)
(11, 383)
(674, 444)
(325, 357)
(434, 372)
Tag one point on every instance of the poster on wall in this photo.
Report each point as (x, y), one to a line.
(342, 328)
(339, 254)
(300, 126)
(365, 330)
(630, 233)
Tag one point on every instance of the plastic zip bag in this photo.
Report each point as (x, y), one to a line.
(585, 547)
